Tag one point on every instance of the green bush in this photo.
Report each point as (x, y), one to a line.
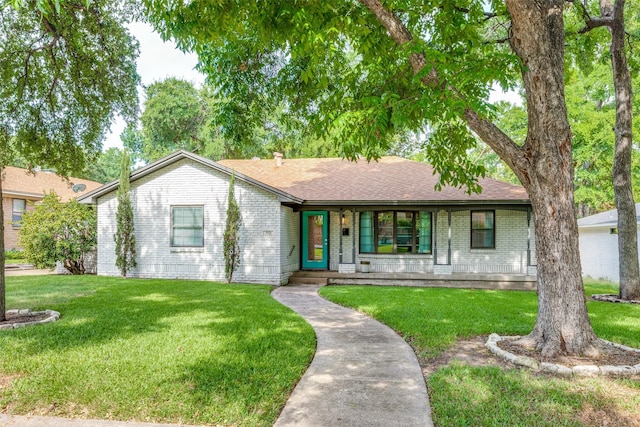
(56, 231)
(14, 254)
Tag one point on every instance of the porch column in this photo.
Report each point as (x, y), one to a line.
(449, 236)
(435, 237)
(353, 235)
(528, 237)
(340, 221)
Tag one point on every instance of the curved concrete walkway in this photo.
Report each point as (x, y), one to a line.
(363, 373)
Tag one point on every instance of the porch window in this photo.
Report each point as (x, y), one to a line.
(387, 232)
(483, 230)
(18, 209)
(187, 226)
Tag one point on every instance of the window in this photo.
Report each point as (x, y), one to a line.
(389, 232)
(187, 226)
(19, 207)
(483, 230)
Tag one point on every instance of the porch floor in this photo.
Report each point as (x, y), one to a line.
(455, 280)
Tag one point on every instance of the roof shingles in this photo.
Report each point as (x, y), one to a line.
(18, 181)
(391, 179)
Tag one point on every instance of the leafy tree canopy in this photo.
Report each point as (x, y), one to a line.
(66, 67)
(178, 115)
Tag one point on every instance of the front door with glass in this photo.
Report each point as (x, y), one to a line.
(315, 240)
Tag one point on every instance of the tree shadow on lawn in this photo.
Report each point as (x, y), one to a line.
(252, 377)
(132, 307)
(463, 395)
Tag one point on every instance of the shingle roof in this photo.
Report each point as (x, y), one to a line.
(20, 182)
(390, 180)
(605, 219)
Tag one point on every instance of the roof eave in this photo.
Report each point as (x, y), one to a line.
(92, 197)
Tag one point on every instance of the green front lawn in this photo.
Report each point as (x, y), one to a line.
(433, 319)
(152, 350)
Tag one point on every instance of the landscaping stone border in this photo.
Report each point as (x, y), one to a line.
(52, 316)
(613, 298)
(579, 370)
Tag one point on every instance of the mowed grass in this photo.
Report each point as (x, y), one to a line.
(152, 350)
(431, 320)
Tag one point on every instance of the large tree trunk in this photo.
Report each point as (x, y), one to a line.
(2, 260)
(627, 223)
(537, 37)
(543, 164)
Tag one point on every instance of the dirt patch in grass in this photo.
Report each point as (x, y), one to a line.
(7, 380)
(471, 352)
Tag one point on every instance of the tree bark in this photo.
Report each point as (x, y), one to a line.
(544, 166)
(627, 223)
(3, 307)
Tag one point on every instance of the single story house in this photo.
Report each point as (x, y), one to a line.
(22, 188)
(325, 214)
(599, 244)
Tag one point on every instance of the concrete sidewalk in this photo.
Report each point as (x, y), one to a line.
(363, 373)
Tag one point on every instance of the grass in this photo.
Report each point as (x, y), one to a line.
(433, 319)
(152, 350)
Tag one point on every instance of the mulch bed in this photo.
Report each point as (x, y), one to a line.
(609, 356)
(24, 318)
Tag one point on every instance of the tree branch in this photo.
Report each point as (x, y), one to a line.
(504, 146)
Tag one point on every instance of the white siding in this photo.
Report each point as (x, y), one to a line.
(189, 183)
(599, 253)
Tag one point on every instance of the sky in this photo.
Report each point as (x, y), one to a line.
(158, 60)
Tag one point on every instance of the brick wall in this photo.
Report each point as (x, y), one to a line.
(10, 231)
(509, 256)
(290, 242)
(190, 183)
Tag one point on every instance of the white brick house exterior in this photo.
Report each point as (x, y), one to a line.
(271, 234)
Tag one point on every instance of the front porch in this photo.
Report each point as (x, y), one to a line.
(454, 280)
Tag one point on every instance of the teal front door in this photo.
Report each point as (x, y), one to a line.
(315, 239)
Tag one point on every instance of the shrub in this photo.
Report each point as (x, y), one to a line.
(56, 231)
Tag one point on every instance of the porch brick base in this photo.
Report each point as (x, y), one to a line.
(442, 269)
(346, 268)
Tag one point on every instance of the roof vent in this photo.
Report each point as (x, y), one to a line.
(278, 157)
(78, 188)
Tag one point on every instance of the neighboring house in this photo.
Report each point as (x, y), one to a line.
(599, 244)
(21, 189)
(316, 214)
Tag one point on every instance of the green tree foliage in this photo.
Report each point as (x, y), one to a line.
(106, 167)
(56, 231)
(173, 115)
(231, 237)
(66, 67)
(177, 115)
(125, 237)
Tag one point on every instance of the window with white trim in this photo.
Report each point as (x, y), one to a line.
(187, 226)
(18, 209)
(483, 230)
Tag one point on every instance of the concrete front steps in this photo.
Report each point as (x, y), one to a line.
(455, 280)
